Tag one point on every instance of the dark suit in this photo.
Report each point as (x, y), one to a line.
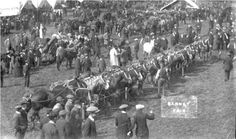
(75, 124)
(211, 39)
(49, 131)
(101, 65)
(43, 121)
(20, 125)
(123, 125)
(140, 120)
(27, 74)
(89, 129)
(226, 40)
(228, 66)
(78, 67)
(64, 129)
(164, 43)
(2, 72)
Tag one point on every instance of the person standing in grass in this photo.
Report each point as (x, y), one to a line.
(2, 72)
(228, 65)
(27, 73)
(89, 127)
(101, 64)
(140, 121)
(59, 55)
(20, 125)
(123, 123)
(49, 130)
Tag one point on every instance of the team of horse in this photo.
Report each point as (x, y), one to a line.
(116, 84)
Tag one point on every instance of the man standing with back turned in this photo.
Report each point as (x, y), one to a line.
(228, 65)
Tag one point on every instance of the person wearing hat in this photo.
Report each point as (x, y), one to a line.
(24, 108)
(123, 123)
(86, 49)
(140, 122)
(19, 123)
(87, 64)
(18, 66)
(76, 121)
(69, 105)
(101, 64)
(59, 105)
(232, 45)
(49, 130)
(27, 68)
(59, 55)
(3, 67)
(211, 39)
(63, 127)
(211, 22)
(69, 96)
(45, 118)
(89, 127)
(114, 60)
(199, 26)
(78, 66)
(7, 44)
(225, 38)
(228, 65)
(161, 77)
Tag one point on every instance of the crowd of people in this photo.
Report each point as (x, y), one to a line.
(82, 38)
(64, 121)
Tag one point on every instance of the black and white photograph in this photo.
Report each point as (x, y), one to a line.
(118, 69)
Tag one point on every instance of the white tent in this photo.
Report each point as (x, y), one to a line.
(37, 2)
(192, 4)
(189, 2)
(9, 7)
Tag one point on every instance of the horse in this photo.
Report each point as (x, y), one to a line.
(137, 75)
(148, 47)
(160, 45)
(48, 52)
(174, 38)
(119, 82)
(70, 54)
(203, 49)
(46, 98)
(98, 87)
(6, 58)
(152, 66)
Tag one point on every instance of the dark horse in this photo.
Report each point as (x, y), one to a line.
(44, 98)
(119, 80)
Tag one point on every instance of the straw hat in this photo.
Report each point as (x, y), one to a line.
(139, 106)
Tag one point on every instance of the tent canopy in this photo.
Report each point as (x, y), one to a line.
(44, 5)
(28, 6)
(37, 3)
(58, 5)
(189, 2)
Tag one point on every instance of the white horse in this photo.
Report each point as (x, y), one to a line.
(148, 46)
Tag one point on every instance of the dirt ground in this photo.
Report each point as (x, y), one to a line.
(205, 80)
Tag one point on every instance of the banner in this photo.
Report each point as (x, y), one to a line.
(179, 107)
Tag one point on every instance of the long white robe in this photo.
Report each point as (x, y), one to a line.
(114, 57)
(41, 32)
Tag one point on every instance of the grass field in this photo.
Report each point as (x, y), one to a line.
(216, 102)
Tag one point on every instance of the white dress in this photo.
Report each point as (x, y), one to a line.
(41, 32)
(113, 57)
